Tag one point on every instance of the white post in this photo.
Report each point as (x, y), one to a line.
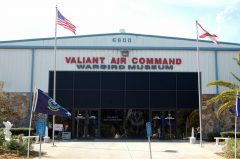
(235, 146)
(46, 137)
(192, 138)
(149, 143)
(29, 133)
(199, 88)
(40, 146)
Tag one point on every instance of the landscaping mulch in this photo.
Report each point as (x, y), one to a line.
(14, 155)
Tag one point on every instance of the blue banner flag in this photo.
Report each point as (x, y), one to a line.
(149, 129)
(41, 127)
(46, 105)
(238, 107)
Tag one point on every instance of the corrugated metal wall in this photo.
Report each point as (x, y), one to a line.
(15, 69)
(15, 65)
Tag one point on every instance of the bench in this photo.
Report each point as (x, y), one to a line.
(25, 139)
(221, 138)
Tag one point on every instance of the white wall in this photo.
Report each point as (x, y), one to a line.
(15, 65)
(226, 65)
(45, 58)
(15, 69)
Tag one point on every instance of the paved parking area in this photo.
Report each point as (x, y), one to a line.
(104, 149)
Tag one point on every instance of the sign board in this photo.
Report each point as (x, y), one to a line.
(41, 127)
(58, 127)
(66, 135)
(149, 129)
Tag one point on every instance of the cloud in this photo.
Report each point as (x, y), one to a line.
(200, 3)
(228, 21)
(229, 14)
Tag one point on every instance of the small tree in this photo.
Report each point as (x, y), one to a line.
(226, 98)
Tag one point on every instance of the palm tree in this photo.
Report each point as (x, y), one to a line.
(226, 98)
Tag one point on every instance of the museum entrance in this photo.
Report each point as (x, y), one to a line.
(86, 123)
(111, 123)
(164, 124)
(130, 123)
(118, 104)
(123, 123)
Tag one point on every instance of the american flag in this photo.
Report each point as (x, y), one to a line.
(61, 20)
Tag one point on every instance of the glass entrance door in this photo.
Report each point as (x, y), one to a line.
(86, 123)
(135, 123)
(164, 124)
(112, 123)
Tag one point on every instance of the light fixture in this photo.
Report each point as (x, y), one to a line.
(125, 53)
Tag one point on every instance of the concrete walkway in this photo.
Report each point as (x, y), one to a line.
(104, 149)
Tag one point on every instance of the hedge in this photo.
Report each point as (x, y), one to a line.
(18, 131)
(230, 134)
(212, 135)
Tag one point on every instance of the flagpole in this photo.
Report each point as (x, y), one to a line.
(30, 124)
(54, 76)
(235, 134)
(199, 88)
(29, 132)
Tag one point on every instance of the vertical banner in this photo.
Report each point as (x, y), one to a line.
(41, 127)
(149, 129)
(149, 134)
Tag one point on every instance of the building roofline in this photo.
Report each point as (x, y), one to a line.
(107, 34)
(120, 48)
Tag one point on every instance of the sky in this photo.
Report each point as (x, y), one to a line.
(28, 19)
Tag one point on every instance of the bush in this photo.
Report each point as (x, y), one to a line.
(2, 138)
(212, 135)
(229, 150)
(230, 134)
(11, 145)
(18, 131)
(14, 145)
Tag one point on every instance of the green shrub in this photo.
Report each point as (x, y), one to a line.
(11, 145)
(212, 135)
(22, 149)
(230, 134)
(18, 131)
(2, 138)
(229, 150)
(14, 145)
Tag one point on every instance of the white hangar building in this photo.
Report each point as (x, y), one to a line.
(114, 83)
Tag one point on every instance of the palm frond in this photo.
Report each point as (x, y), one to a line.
(237, 59)
(223, 107)
(223, 84)
(236, 77)
(226, 95)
